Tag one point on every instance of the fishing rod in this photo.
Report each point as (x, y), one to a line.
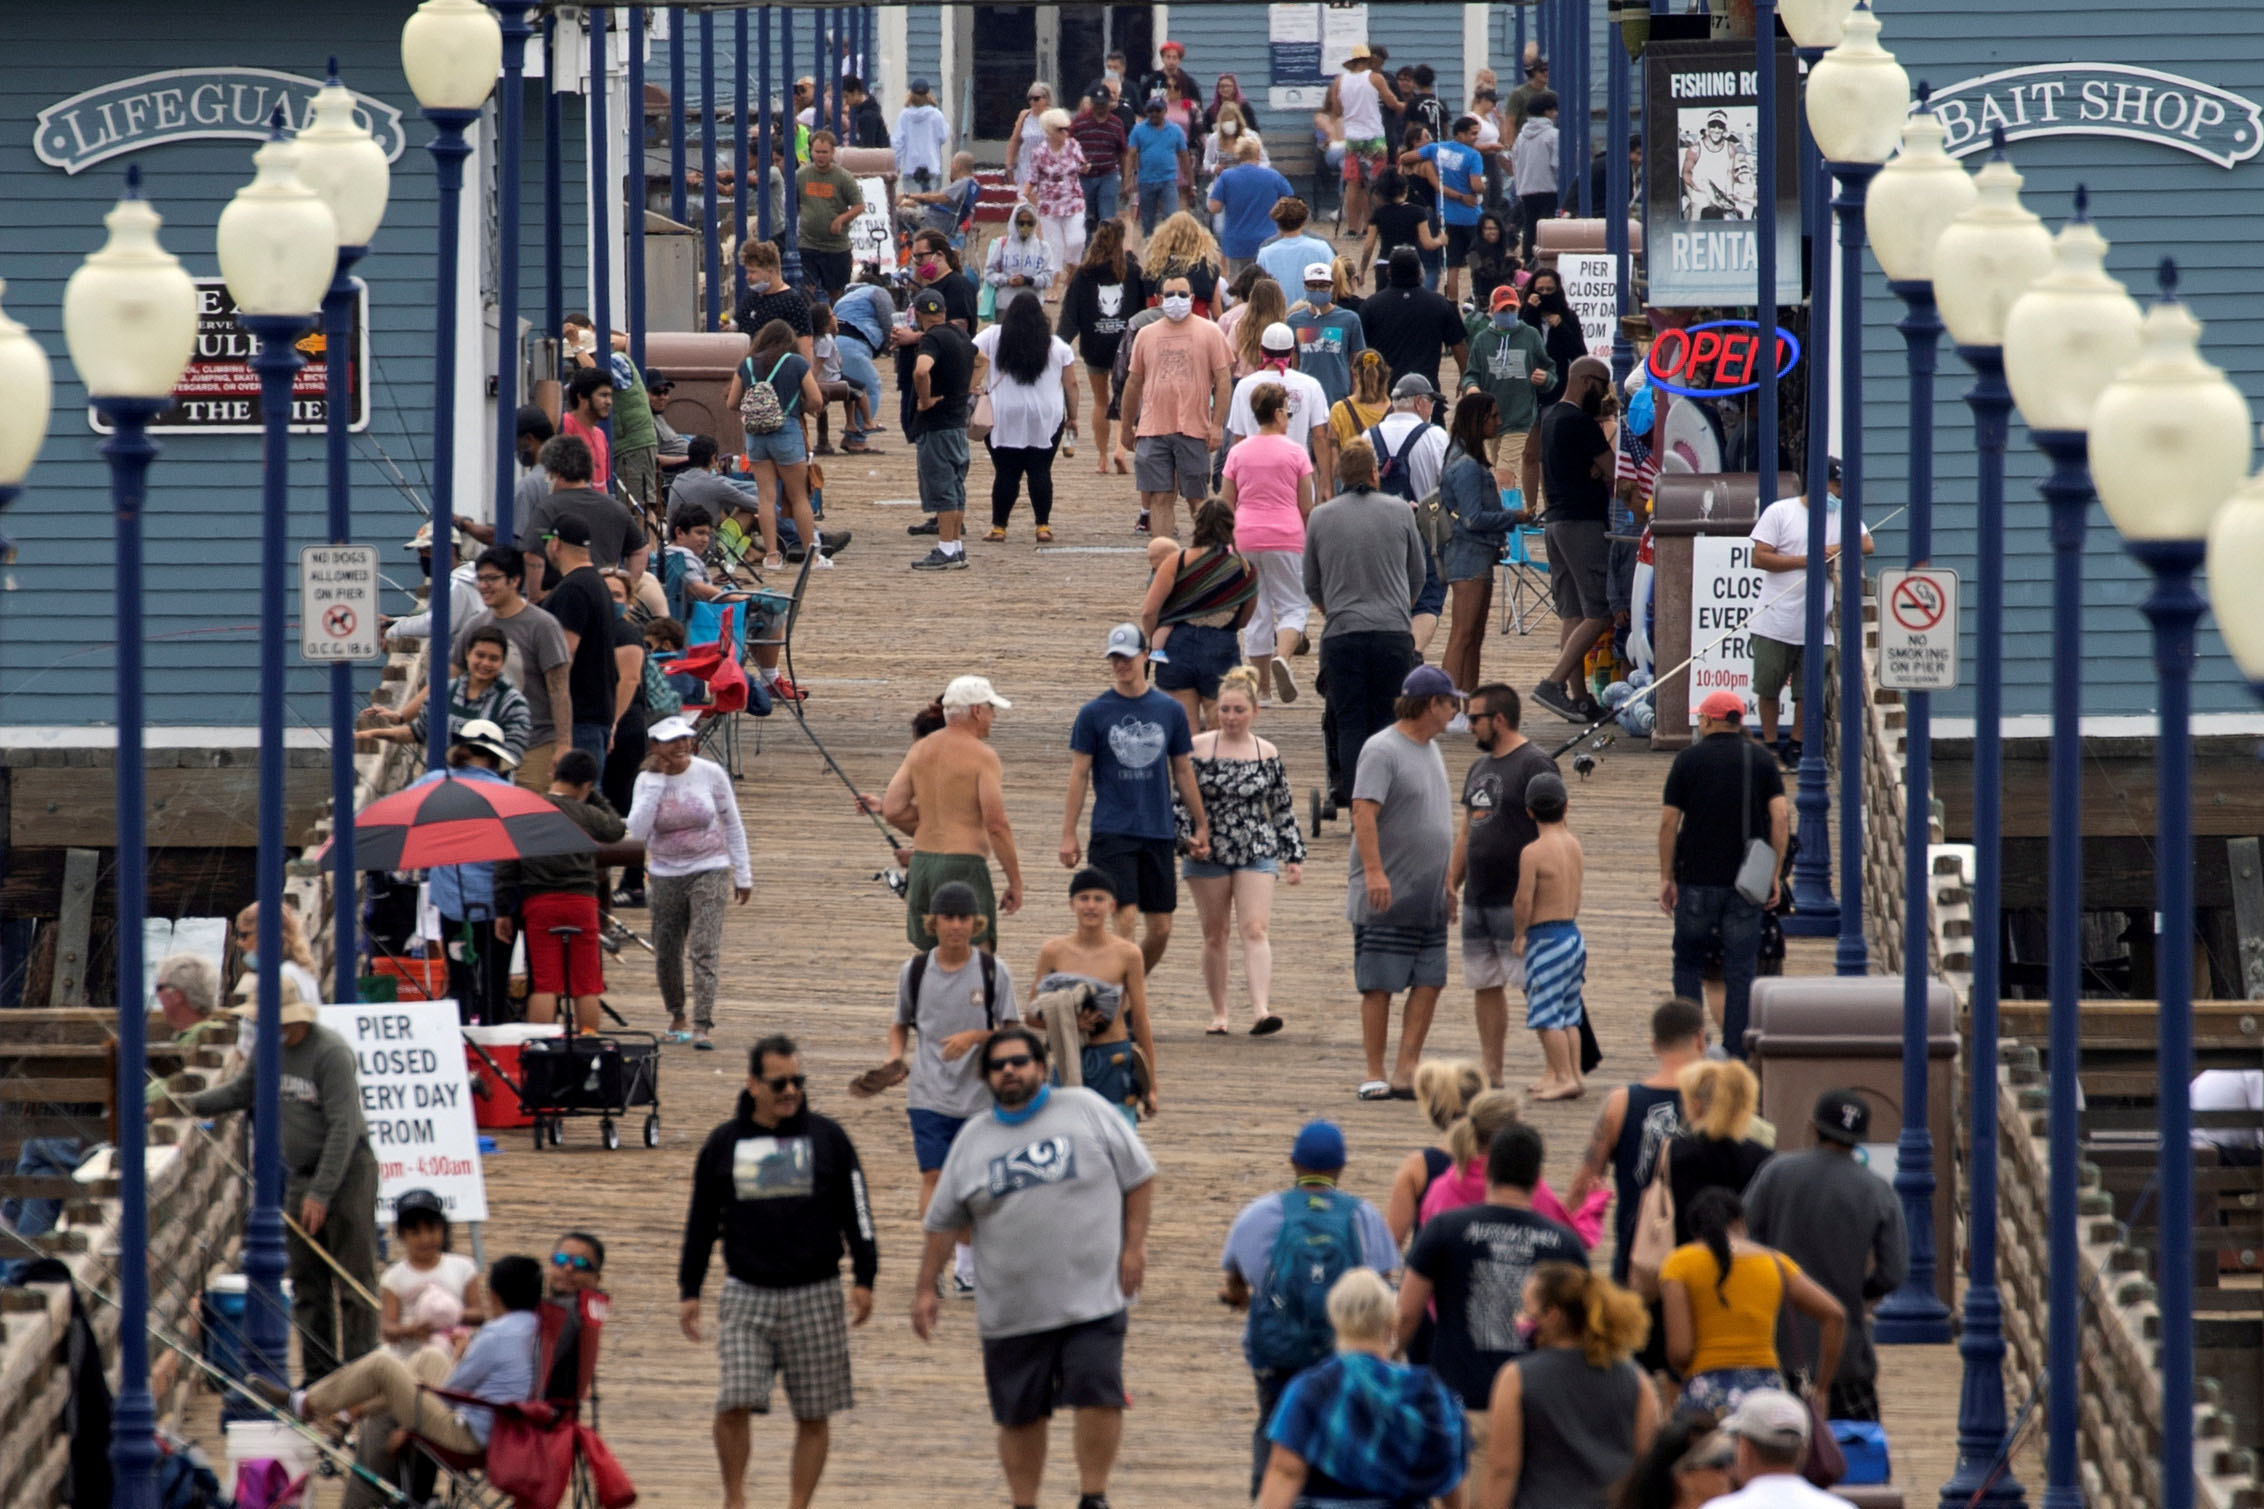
(1585, 761)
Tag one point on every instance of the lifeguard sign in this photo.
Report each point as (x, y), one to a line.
(1719, 359)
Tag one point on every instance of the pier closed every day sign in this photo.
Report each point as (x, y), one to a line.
(1725, 589)
(417, 1101)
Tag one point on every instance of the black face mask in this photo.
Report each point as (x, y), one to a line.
(1592, 401)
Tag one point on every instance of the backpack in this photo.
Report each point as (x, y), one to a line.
(1434, 521)
(1289, 1312)
(760, 412)
(985, 960)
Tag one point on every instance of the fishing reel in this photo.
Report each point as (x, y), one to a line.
(896, 880)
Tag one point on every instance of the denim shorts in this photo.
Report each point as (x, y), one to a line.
(1204, 869)
(783, 447)
(1199, 658)
(1432, 599)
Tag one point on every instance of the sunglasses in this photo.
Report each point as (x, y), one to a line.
(573, 1260)
(1013, 1061)
(785, 1082)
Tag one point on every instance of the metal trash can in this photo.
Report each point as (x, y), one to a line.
(1809, 1034)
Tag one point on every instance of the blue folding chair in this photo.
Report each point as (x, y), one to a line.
(1525, 592)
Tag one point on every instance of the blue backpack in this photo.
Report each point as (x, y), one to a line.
(1289, 1313)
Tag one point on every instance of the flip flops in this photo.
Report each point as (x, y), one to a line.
(1267, 1025)
(1374, 1089)
(880, 1077)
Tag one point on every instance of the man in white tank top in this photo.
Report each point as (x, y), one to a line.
(1358, 97)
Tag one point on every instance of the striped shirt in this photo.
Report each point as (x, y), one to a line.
(501, 704)
(1212, 584)
(1102, 142)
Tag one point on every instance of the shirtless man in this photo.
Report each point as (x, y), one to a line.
(1118, 1021)
(949, 794)
(1548, 938)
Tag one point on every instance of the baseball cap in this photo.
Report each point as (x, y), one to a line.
(1505, 297)
(1546, 796)
(482, 733)
(1278, 337)
(1156, 100)
(954, 898)
(422, 539)
(1722, 705)
(1414, 385)
(1091, 878)
(1832, 469)
(972, 691)
(569, 531)
(928, 301)
(1320, 272)
(1126, 639)
(658, 382)
(1770, 1417)
(921, 86)
(669, 730)
(418, 1201)
(1178, 47)
(1429, 681)
(1843, 1117)
(1319, 1146)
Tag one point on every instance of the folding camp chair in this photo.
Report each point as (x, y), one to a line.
(1525, 593)
(716, 657)
(543, 1452)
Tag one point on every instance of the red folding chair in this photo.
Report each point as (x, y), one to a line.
(541, 1453)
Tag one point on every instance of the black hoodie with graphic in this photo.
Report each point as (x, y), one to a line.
(785, 1200)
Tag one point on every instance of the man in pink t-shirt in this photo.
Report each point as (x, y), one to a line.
(1178, 390)
(589, 398)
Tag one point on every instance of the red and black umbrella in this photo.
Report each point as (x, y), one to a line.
(453, 821)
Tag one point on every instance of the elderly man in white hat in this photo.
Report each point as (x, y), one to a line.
(331, 1193)
(463, 586)
(950, 795)
(1771, 1428)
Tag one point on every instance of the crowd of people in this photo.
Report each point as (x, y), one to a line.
(1285, 380)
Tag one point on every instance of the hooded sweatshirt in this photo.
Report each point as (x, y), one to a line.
(1533, 157)
(784, 1199)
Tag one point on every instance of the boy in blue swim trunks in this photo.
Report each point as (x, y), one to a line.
(1548, 938)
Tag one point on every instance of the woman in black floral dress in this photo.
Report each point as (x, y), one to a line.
(1254, 838)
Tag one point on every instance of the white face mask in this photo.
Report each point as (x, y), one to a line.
(1230, 128)
(1177, 306)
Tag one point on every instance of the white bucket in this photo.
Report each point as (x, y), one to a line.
(251, 1440)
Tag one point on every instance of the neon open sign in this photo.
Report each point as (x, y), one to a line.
(1717, 359)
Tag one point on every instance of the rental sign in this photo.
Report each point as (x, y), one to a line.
(1719, 359)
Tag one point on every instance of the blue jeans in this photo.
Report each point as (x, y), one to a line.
(1703, 915)
(1158, 201)
(858, 370)
(594, 737)
(1101, 194)
(41, 1158)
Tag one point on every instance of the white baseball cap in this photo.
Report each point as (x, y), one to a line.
(669, 730)
(1319, 272)
(972, 691)
(1278, 337)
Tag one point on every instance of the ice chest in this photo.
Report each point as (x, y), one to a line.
(495, 1103)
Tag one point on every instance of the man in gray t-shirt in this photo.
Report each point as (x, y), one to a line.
(1057, 1187)
(1398, 901)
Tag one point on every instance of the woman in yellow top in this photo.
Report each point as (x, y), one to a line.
(1350, 418)
(1722, 1293)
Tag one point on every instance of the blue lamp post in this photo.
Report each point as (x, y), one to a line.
(451, 51)
(278, 247)
(633, 100)
(1914, 197)
(1616, 191)
(2065, 340)
(130, 320)
(676, 116)
(1857, 98)
(510, 139)
(1983, 262)
(1815, 27)
(2169, 446)
(1766, 300)
(342, 163)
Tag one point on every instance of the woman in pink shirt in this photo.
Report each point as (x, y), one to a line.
(1465, 1184)
(1269, 485)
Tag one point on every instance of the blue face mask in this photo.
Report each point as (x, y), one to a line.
(251, 959)
(1320, 298)
(1505, 319)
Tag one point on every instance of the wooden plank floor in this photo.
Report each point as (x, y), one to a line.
(816, 956)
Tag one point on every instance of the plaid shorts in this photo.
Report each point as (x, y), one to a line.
(803, 1333)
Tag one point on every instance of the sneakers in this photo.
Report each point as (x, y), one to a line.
(961, 1288)
(1140, 525)
(936, 560)
(1285, 683)
(1554, 697)
(1459, 724)
(784, 689)
(1788, 754)
(1092, 1501)
(925, 526)
(1591, 711)
(629, 896)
